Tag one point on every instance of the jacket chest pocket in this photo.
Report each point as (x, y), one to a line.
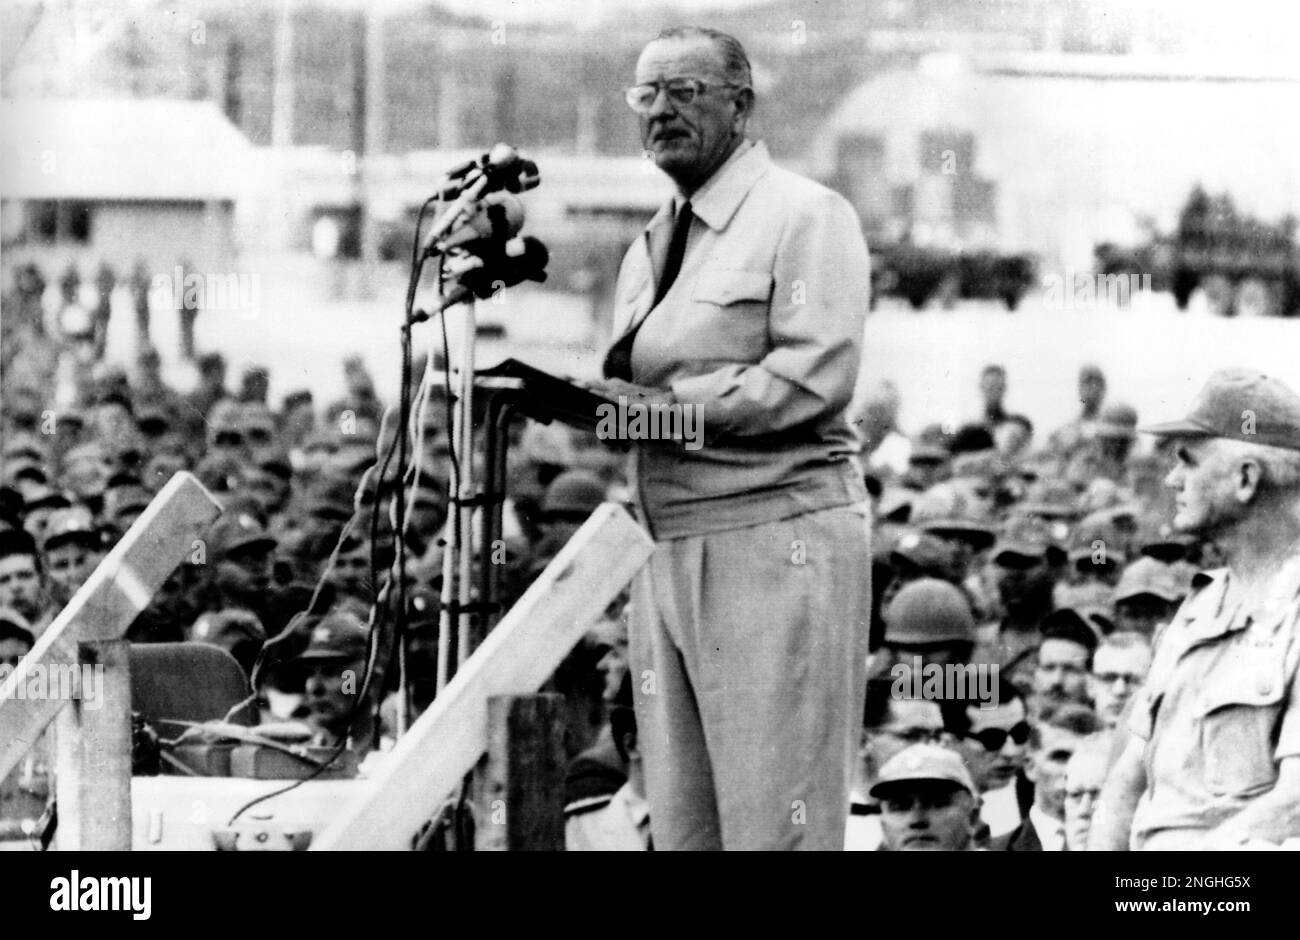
(727, 319)
(1239, 710)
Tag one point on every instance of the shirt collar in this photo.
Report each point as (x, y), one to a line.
(717, 200)
(1051, 832)
(635, 805)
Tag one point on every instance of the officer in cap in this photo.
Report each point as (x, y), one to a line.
(242, 552)
(928, 801)
(73, 547)
(334, 665)
(1026, 565)
(1146, 597)
(1213, 755)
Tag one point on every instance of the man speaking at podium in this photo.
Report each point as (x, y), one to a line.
(744, 300)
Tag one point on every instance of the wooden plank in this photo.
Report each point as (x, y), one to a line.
(116, 591)
(428, 763)
(94, 757)
(520, 781)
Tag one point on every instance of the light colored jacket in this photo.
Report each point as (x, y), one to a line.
(761, 331)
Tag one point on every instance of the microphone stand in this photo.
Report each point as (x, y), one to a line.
(454, 613)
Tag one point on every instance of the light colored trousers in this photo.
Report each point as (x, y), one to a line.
(748, 649)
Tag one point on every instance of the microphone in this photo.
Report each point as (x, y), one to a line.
(497, 217)
(499, 168)
(481, 276)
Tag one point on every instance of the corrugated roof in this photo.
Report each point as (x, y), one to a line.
(120, 149)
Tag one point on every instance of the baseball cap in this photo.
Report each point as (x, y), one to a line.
(946, 510)
(1097, 527)
(922, 762)
(73, 524)
(23, 444)
(236, 531)
(929, 611)
(123, 499)
(341, 635)
(1051, 499)
(930, 554)
(47, 499)
(1241, 405)
(1146, 575)
(1066, 623)
(1028, 537)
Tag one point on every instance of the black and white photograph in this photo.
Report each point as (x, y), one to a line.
(701, 425)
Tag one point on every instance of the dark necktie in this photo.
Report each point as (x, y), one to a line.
(618, 361)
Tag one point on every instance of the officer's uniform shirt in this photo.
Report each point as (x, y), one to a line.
(619, 823)
(1220, 708)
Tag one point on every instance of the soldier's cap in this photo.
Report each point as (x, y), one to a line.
(929, 610)
(73, 524)
(221, 627)
(239, 531)
(91, 450)
(153, 419)
(1051, 499)
(1240, 405)
(48, 499)
(26, 468)
(1157, 538)
(340, 635)
(1066, 623)
(16, 542)
(1146, 575)
(922, 550)
(1087, 596)
(123, 478)
(1027, 537)
(124, 499)
(320, 507)
(321, 439)
(946, 510)
(23, 445)
(979, 464)
(220, 472)
(274, 460)
(1117, 421)
(1095, 528)
(922, 762)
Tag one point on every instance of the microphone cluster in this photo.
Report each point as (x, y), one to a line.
(478, 235)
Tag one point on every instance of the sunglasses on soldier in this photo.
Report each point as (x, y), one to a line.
(994, 739)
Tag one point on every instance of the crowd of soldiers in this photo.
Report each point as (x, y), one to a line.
(1050, 564)
(79, 469)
